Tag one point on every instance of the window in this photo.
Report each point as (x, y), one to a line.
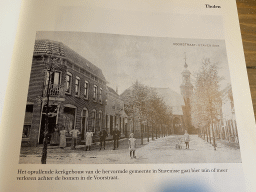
(68, 83)
(93, 120)
(77, 86)
(54, 78)
(86, 89)
(100, 120)
(95, 89)
(100, 95)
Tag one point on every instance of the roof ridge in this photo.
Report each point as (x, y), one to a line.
(59, 48)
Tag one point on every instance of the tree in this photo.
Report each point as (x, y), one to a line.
(52, 65)
(135, 105)
(144, 105)
(206, 100)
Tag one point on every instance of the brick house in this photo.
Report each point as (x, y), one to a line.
(77, 90)
(115, 114)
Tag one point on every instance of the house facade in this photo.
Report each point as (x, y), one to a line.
(76, 93)
(115, 114)
(228, 130)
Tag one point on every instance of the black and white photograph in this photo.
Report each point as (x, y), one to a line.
(100, 98)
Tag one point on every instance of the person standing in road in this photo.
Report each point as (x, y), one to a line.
(103, 135)
(74, 134)
(55, 139)
(116, 134)
(88, 140)
(118, 137)
(63, 137)
(186, 139)
(132, 146)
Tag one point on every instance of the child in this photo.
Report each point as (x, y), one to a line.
(178, 145)
(132, 146)
(186, 138)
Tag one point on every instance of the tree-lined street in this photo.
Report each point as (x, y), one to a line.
(161, 150)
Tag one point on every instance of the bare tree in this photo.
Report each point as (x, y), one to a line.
(206, 100)
(143, 105)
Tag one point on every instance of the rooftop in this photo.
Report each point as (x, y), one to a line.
(49, 47)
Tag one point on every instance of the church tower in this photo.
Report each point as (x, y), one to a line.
(186, 89)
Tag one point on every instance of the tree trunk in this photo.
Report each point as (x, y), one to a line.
(152, 132)
(156, 132)
(141, 134)
(45, 141)
(148, 131)
(210, 134)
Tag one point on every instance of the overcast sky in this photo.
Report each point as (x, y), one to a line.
(153, 61)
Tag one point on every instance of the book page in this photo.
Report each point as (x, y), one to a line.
(128, 95)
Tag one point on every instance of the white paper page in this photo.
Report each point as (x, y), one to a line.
(157, 33)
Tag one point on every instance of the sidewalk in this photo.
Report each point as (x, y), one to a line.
(56, 155)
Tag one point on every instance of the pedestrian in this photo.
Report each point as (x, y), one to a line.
(88, 140)
(186, 139)
(63, 137)
(118, 137)
(55, 138)
(116, 134)
(75, 132)
(103, 135)
(132, 146)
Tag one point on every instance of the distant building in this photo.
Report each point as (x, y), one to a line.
(115, 114)
(229, 128)
(186, 89)
(175, 104)
(77, 90)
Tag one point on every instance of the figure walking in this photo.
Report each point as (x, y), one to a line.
(132, 146)
(186, 139)
(63, 138)
(103, 135)
(74, 134)
(88, 141)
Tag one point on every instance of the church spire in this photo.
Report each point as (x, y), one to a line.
(186, 89)
(185, 58)
(186, 86)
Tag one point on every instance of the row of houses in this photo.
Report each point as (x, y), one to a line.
(78, 95)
